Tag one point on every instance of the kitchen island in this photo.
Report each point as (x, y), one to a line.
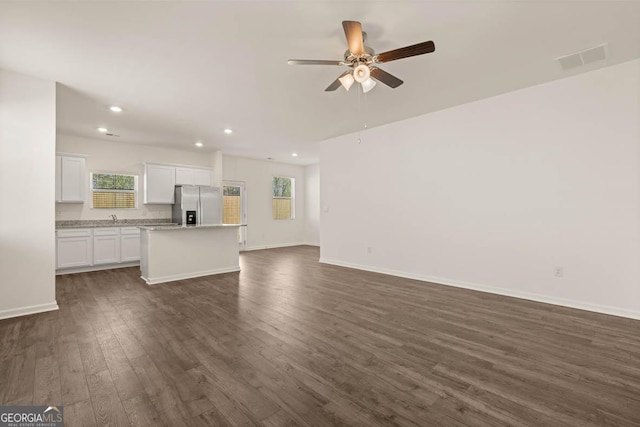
(176, 252)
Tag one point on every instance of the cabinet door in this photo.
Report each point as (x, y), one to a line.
(58, 178)
(185, 176)
(106, 249)
(203, 177)
(130, 247)
(159, 184)
(72, 180)
(73, 251)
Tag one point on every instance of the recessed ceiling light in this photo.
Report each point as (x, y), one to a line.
(199, 144)
(103, 130)
(294, 154)
(115, 109)
(228, 131)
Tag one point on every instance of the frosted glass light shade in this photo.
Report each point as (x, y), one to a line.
(346, 81)
(367, 85)
(361, 73)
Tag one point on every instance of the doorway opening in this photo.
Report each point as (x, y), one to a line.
(234, 208)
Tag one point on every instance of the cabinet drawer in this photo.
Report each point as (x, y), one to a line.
(111, 231)
(76, 232)
(129, 230)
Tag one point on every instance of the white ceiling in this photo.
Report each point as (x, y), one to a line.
(183, 71)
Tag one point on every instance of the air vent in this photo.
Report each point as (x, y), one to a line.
(583, 57)
(595, 54)
(112, 134)
(570, 61)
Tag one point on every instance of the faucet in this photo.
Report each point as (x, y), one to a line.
(114, 217)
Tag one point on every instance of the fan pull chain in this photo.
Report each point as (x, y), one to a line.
(366, 109)
(363, 113)
(359, 113)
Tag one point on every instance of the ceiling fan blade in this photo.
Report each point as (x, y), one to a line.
(353, 31)
(386, 78)
(314, 62)
(336, 83)
(406, 52)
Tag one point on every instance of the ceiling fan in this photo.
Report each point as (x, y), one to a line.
(362, 60)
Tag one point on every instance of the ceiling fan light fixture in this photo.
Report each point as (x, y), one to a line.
(367, 85)
(346, 81)
(361, 73)
(363, 60)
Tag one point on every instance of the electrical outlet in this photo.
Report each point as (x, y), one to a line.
(369, 249)
(558, 271)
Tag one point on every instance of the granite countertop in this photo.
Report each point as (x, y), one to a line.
(110, 223)
(161, 227)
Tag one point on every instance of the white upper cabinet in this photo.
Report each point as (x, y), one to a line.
(70, 179)
(58, 178)
(185, 176)
(159, 184)
(203, 177)
(160, 181)
(193, 176)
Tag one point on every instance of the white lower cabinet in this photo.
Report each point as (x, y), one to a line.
(74, 248)
(106, 246)
(81, 248)
(129, 244)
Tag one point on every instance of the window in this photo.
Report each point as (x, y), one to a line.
(283, 197)
(231, 205)
(114, 191)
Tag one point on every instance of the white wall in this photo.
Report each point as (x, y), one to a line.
(27, 172)
(495, 194)
(312, 205)
(262, 230)
(108, 156)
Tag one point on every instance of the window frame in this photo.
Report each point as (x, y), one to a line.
(242, 231)
(134, 191)
(292, 215)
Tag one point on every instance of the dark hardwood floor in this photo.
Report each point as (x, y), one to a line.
(289, 341)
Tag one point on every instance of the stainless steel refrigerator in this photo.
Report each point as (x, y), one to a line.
(197, 205)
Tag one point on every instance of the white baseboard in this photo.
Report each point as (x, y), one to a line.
(173, 278)
(581, 305)
(24, 311)
(97, 268)
(312, 244)
(279, 245)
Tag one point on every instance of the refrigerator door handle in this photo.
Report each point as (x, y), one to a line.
(199, 218)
